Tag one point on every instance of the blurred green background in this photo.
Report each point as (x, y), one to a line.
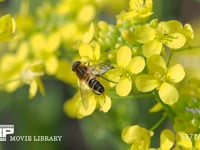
(44, 115)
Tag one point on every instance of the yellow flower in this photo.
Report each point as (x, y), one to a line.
(170, 33)
(127, 66)
(166, 139)
(90, 52)
(31, 76)
(77, 107)
(139, 11)
(161, 78)
(11, 75)
(7, 28)
(44, 48)
(137, 136)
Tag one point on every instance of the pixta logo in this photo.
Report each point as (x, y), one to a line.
(5, 130)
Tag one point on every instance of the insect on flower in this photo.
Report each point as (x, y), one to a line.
(88, 78)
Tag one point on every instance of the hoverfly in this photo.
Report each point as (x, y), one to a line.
(88, 75)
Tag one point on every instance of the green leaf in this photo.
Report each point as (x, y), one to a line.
(168, 93)
(146, 83)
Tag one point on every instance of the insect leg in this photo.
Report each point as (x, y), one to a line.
(95, 92)
(107, 79)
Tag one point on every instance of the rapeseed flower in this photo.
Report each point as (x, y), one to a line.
(137, 136)
(161, 78)
(31, 75)
(7, 28)
(126, 67)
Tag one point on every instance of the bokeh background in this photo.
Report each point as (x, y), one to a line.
(44, 115)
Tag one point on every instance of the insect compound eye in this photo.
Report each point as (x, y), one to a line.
(75, 65)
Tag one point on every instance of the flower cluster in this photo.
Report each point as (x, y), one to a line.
(140, 139)
(7, 28)
(48, 36)
(189, 106)
(139, 52)
(137, 136)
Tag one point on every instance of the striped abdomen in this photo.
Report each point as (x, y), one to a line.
(96, 86)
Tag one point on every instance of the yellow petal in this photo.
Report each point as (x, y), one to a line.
(136, 135)
(12, 86)
(167, 27)
(97, 51)
(197, 143)
(183, 140)
(175, 73)
(145, 34)
(105, 103)
(37, 42)
(146, 83)
(151, 48)
(168, 93)
(157, 107)
(136, 65)
(89, 35)
(156, 65)
(124, 55)
(166, 139)
(33, 89)
(7, 28)
(124, 86)
(23, 51)
(176, 41)
(74, 107)
(91, 105)
(70, 107)
(53, 42)
(86, 51)
(86, 14)
(103, 25)
(51, 65)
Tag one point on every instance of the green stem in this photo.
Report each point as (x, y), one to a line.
(170, 57)
(159, 122)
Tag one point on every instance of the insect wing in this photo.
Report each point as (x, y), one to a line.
(86, 94)
(100, 69)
